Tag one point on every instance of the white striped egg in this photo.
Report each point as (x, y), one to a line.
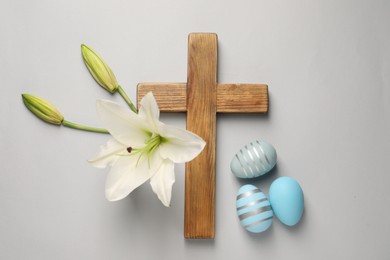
(253, 160)
(253, 209)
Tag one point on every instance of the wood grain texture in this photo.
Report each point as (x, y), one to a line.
(201, 120)
(242, 98)
(231, 98)
(170, 97)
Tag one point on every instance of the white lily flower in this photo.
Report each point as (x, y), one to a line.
(142, 148)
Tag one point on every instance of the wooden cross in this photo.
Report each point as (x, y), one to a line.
(202, 97)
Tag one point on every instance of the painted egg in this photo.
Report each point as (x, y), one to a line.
(253, 160)
(286, 198)
(253, 209)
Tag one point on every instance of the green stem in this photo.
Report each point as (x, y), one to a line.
(127, 99)
(83, 127)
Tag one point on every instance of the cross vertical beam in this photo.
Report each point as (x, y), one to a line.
(201, 120)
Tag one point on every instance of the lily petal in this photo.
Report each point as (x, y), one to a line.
(180, 145)
(149, 110)
(123, 124)
(126, 175)
(162, 182)
(106, 156)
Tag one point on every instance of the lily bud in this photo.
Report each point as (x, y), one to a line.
(42, 109)
(99, 69)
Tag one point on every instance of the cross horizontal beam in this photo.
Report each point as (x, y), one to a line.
(231, 98)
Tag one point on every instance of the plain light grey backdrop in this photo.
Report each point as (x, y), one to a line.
(327, 64)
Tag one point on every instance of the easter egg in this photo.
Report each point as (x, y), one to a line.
(253, 209)
(253, 160)
(286, 198)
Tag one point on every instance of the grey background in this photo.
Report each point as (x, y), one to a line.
(327, 64)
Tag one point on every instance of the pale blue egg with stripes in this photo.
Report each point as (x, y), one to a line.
(253, 209)
(253, 160)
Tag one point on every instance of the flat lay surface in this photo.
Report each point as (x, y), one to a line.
(327, 67)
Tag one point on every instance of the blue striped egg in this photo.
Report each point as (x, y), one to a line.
(253, 160)
(253, 209)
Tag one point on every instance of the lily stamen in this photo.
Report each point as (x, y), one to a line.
(151, 145)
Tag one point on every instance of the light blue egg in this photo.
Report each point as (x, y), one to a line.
(286, 198)
(253, 160)
(253, 209)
